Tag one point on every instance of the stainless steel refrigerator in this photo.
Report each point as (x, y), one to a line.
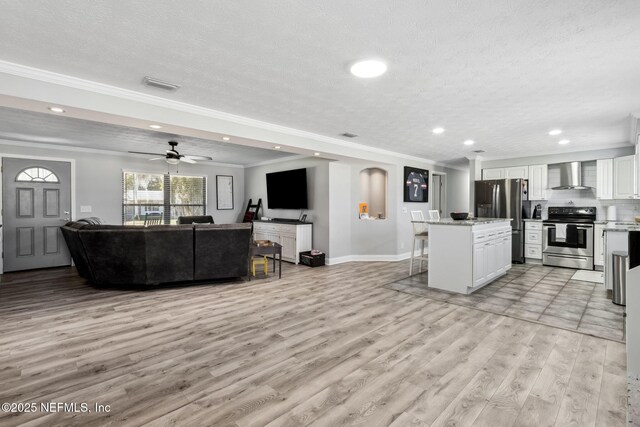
(505, 198)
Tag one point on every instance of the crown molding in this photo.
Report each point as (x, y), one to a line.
(281, 160)
(130, 95)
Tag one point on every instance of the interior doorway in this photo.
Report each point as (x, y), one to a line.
(437, 189)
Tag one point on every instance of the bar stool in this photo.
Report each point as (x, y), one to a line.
(434, 215)
(257, 260)
(420, 233)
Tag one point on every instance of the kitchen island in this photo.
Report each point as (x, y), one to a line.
(467, 255)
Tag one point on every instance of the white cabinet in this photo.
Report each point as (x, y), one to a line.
(624, 177)
(604, 179)
(517, 172)
(294, 238)
(598, 245)
(496, 173)
(638, 167)
(491, 255)
(538, 182)
(506, 173)
(533, 240)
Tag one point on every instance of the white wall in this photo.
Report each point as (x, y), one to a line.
(99, 180)
(340, 211)
(318, 194)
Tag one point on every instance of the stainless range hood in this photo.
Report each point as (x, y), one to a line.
(570, 176)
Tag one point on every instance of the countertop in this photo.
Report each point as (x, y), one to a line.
(466, 222)
(281, 221)
(622, 226)
(532, 220)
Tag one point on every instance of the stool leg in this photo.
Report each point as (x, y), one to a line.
(266, 266)
(421, 254)
(413, 248)
(253, 267)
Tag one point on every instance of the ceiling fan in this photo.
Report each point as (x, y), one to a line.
(173, 157)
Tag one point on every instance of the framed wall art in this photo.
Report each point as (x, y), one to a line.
(224, 192)
(416, 185)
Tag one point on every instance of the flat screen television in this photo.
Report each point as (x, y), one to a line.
(287, 189)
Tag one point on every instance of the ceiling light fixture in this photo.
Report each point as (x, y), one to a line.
(172, 160)
(555, 132)
(368, 69)
(438, 131)
(564, 142)
(277, 147)
(155, 126)
(225, 138)
(469, 142)
(57, 109)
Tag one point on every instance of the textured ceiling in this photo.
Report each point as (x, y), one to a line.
(501, 72)
(20, 125)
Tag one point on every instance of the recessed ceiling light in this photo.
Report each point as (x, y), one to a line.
(555, 132)
(368, 69)
(316, 154)
(438, 131)
(56, 109)
(155, 126)
(469, 142)
(277, 147)
(225, 138)
(563, 141)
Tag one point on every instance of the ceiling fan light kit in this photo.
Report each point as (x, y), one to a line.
(173, 157)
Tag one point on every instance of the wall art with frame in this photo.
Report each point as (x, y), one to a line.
(416, 185)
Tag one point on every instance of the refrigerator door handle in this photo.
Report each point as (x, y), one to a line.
(498, 202)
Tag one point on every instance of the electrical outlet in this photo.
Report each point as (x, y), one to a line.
(85, 209)
(404, 210)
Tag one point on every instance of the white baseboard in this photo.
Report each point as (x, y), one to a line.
(368, 258)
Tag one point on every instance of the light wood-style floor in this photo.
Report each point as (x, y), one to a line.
(327, 346)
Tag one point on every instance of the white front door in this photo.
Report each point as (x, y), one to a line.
(36, 201)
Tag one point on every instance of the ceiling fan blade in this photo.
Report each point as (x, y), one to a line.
(157, 158)
(198, 157)
(148, 154)
(187, 160)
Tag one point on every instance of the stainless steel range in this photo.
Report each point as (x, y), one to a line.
(567, 237)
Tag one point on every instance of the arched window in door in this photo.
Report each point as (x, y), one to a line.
(37, 174)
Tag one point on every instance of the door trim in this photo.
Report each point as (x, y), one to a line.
(55, 159)
(443, 194)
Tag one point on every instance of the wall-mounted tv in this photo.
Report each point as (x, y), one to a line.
(287, 189)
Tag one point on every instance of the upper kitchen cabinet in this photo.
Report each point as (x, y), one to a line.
(624, 177)
(506, 173)
(517, 172)
(538, 182)
(495, 173)
(604, 179)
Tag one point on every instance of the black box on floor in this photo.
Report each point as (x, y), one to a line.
(311, 260)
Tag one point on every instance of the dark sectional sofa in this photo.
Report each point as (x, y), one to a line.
(134, 255)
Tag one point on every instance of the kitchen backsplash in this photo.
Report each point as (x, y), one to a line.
(626, 209)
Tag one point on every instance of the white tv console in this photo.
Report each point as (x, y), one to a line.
(295, 237)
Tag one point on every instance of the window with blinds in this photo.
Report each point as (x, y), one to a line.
(146, 195)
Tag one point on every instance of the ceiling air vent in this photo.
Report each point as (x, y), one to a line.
(349, 135)
(159, 84)
(478, 151)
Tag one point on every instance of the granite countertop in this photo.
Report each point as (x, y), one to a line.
(604, 221)
(620, 226)
(532, 220)
(466, 222)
